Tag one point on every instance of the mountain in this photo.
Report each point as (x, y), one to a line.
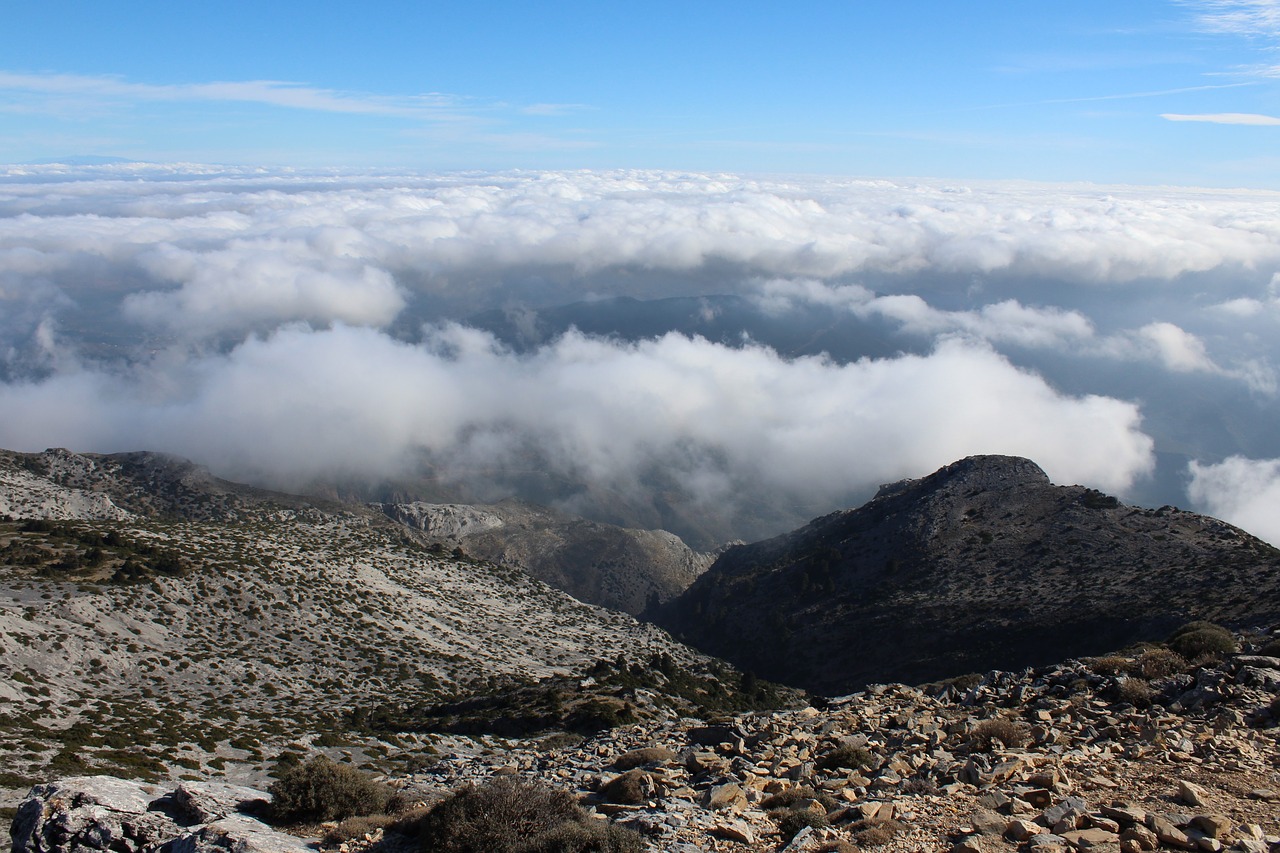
(615, 567)
(156, 620)
(982, 564)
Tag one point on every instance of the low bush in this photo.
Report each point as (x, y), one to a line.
(846, 757)
(1160, 663)
(640, 757)
(867, 834)
(1134, 691)
(321, 790)
(1006, 731)
(1112, 665)
(632, 788)
(1206, 639)
(790, 797)
(510, 815)
(791, 821)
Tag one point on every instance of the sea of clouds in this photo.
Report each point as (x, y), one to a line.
(288, 328)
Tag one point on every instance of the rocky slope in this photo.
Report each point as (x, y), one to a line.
(984, 563)
(614, 567)
(157, 621)
(1129, 753)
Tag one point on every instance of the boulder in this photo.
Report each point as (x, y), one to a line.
(92, 814)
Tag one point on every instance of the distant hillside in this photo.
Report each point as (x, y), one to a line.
(155, 619)
(615, 567)
(983, 564)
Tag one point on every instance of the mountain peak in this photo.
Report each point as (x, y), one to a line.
(974, 472)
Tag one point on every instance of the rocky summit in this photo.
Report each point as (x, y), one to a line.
(1137, 752)
(982, 564)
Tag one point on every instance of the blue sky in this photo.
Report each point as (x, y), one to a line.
(1080, 91)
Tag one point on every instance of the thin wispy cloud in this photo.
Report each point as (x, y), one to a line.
(1239, 17)
(1225, 118)
(433, 106)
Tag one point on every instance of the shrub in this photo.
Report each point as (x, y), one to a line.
(593, 836)
(1271, 649)
(1135, 691)
(846, 757)
(631, 788)
(788, 798)
(509, 815)
(1112, 665)
(1209, 640)
(640, 757)
(1008, 732)
(876, 834)
(1197, 625)
(320, 790)
(791, 821)
(1159, 663)
(354, 827)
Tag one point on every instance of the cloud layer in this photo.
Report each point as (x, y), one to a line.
(290, 326)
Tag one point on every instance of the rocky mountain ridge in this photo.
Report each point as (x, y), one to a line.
(615, 567)
(983, 563)
(146, 604)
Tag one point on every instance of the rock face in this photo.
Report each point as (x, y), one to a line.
(97, 813)
(602, 564)
(984, 563)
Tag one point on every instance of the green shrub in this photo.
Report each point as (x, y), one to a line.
(846, 757)
(640, 757)
(590, 836)
(790, 797)
(631, 788)
(1135, 691)
(320, 790)
(791, 821)
(1207, 640)
(868, 834)
(1159, 663)
(509, 815)
(1008, 732)
(1112, 665)
(1197, 625)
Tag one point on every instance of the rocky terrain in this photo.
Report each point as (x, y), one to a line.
(982, 564)
(157, 622)
(1135, 752)
(614, 567)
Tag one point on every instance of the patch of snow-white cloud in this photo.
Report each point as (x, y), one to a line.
(349, 401)
(1245, 492)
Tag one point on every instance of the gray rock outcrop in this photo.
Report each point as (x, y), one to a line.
(90, 814)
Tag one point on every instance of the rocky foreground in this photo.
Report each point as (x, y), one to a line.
(1129, 753)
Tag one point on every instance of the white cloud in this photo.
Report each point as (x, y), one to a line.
(278, 268)
(243, 287)
(1245, 492)
(1225, 118)
(350, 401)
(1177, 349)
